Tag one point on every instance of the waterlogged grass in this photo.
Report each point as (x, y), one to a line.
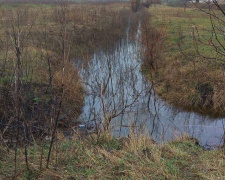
(109, 158)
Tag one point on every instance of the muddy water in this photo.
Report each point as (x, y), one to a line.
(117, 91)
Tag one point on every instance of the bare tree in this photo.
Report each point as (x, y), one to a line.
(210, 38)
(135, 4)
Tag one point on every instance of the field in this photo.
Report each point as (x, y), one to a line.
(41, 92)
(188, 69)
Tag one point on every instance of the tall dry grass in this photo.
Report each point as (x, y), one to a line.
(137, 157)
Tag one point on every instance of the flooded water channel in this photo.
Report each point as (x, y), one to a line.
(118, 92)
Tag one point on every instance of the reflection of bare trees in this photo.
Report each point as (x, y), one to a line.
(39, 86)
(119, 99)
(112, 83)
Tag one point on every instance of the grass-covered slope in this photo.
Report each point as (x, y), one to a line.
(109, 158)
(187, 72)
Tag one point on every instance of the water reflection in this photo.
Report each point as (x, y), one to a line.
(119, 94)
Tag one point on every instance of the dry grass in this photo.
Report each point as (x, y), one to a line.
(89, 27)
(185, 79)
(107, 158)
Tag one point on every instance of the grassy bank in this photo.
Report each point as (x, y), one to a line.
(41, 44)
(181, 73)
(109, 158)
(41, 47)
